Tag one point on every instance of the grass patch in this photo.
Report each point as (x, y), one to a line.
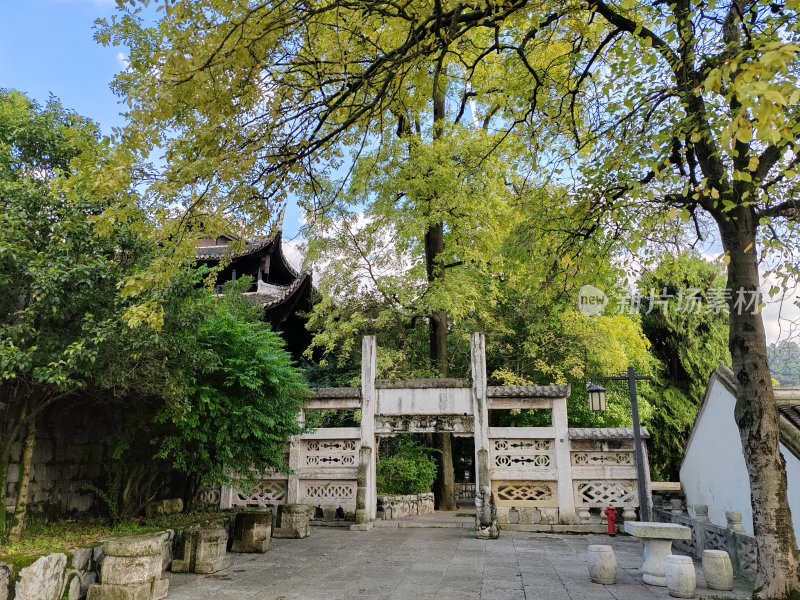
(41, 538)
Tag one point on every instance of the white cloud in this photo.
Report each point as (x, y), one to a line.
(782, 313)
(123, 61)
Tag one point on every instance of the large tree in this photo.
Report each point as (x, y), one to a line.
(664, 110)
(58, 276)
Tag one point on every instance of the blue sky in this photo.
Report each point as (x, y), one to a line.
(47, 46)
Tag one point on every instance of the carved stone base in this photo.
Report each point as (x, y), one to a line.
(487, 533)
(203, 551)
(252, 532)
(293, 522)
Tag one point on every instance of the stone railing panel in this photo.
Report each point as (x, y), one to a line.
(525, 493)
(329, 453)
(706, 536)
(265, 494)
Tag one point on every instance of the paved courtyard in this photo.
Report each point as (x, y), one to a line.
(441, 564)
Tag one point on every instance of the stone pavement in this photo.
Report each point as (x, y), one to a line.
(416, 563)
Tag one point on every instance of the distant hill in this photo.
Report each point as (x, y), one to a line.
(784, 362)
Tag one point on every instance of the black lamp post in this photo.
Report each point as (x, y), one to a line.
(597, 403)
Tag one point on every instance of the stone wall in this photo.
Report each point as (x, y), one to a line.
(73, 444)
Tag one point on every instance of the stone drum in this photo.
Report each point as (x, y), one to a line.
(718, 570)
(602, 564)
(680, 575)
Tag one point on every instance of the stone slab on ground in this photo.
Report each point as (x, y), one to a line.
(437, 563)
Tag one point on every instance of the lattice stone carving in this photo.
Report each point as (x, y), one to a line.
(584, 459)
(521, 453)
(525, 493)
(601, 493)
(210, 496)
(334, 453)
(266, 493)
(316, 491)
(746, 555)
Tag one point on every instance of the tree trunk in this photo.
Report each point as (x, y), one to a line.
(444, 488)
(757, 415)
(5, 460)
(23, 484)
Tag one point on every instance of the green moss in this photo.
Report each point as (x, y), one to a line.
(41, 538)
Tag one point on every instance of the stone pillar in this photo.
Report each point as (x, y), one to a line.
(293, 481)
(131, 570)
(362, 493)
(734, 519)
(676, 506)
(369, 367)
(566, 498)
(252, 532)
(480, 408)
(701, 513)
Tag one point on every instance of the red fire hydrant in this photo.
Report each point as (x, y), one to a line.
(611, 516)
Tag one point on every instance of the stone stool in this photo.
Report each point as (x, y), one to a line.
(681, 578)
(718, 570)
(602, 564)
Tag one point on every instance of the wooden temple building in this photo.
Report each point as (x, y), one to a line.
(281, 290)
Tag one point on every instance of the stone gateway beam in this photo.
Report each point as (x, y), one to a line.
(525, 476)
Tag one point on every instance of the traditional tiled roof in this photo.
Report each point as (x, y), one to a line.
(528, 391)
(219, 252)
(605, 433)
(269, 294)
(788, 400)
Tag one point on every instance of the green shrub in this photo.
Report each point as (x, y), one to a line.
(410, 470)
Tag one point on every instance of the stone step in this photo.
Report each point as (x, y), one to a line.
(426, 523)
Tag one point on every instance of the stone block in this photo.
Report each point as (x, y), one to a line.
(87, 579)
(106, 591)
(81, 558)
(203, 550)
(13, 473)
(72, 586)
(130, 569)
(252, 532)
(169, 506)
(6, 579)
(292, 522)
(43, 580)
(134, 545)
